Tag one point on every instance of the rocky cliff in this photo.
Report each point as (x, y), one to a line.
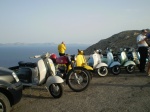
(116, 41)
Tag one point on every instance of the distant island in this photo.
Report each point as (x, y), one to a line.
(40, 44)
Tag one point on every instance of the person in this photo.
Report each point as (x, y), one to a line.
(80, 59)
(148, 64)
(61, 49)
(142, 49)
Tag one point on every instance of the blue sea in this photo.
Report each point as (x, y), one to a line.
(10, 55)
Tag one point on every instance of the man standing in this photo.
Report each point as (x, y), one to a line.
(61, 49)
(142, 49)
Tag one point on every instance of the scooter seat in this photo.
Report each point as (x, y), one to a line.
(27, 64)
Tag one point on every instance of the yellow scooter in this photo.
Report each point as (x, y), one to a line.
(81, 62)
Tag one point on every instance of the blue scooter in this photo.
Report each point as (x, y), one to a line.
(113, 65)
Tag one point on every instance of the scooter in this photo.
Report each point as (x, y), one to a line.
(125, 62)
(40, 73)
(133, 55)
(81, 61)
(95, 62)
(113, 65)
(77, 78)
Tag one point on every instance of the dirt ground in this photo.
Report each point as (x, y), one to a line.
(122, 93)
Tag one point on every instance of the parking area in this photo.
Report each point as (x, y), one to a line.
(122, 93)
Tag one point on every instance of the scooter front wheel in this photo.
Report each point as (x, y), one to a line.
(130, 69)
(116, 70)
(102, 71)
(56, 90)
(78, 79)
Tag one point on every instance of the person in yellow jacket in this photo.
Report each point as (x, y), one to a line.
(62, 49)
(80, 59)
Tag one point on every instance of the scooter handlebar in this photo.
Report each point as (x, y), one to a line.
(41, 56)
(37, 56)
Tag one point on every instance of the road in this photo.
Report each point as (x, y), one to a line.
(122, 93)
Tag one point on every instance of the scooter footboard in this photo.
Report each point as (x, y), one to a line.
(53, 79)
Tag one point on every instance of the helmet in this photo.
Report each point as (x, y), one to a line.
(80, 52)
(53, 57)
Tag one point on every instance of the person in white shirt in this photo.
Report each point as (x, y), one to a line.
(142, 49)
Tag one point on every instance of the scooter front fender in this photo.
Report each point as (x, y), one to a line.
(129, 63)
(53, 79)
(101, 64)
(114, 64)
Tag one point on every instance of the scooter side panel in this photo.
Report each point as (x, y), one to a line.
(90, 61)
(129, 63)
(42, 71)
(53, 79)
(104, 60)
(114, 64)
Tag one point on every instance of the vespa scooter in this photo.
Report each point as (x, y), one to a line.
(129, 65)
(42, 72)
(113, 65)
(95, 62)
(81, 61)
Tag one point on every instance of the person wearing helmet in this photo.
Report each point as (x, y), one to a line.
(80, 59)
(62, 49)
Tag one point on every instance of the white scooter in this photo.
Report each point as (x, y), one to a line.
(113, 65)
(42, 72)
(95, 62)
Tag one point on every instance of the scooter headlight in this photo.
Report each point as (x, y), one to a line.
(15, 77)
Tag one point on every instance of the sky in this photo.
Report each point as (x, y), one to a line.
(71, 21)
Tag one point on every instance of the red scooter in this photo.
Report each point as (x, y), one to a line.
(77, 78)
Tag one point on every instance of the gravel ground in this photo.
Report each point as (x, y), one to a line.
(122, 93)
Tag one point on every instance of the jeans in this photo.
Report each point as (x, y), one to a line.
(143, 55)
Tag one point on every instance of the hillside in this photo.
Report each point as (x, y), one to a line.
(116, 41)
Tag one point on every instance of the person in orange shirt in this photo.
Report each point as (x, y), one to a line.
(61, 49)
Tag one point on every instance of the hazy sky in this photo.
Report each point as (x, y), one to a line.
(71, 21)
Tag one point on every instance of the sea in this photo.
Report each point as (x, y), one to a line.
(10, 55)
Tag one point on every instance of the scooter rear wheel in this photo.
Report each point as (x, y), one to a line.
(56, 90)
(78, 79)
